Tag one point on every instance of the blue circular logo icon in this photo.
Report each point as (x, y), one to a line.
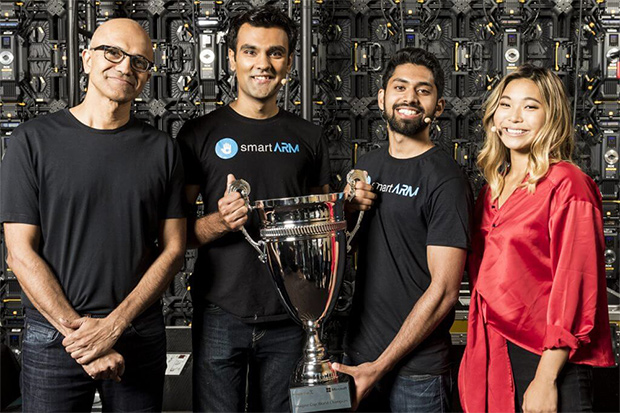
(226, 148)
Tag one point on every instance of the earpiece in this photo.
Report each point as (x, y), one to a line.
(427, 119)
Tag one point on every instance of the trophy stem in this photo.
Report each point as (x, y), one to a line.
(314, 367)
(314, 350)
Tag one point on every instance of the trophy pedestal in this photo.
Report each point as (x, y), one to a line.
(315, 386)
(321, 397)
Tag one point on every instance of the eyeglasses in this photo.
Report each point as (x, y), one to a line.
(116, 55)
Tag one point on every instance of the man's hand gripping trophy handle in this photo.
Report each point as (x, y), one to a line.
(244, 189)
(353, 177)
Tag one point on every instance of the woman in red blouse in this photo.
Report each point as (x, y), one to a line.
(538, 317)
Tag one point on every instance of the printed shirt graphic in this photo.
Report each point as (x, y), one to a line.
(226, 148)
(401, 189)
(422, 201)
(279, 157)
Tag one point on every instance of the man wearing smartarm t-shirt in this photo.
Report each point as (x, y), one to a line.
(412, 251)
(93, 212)
(238, 318)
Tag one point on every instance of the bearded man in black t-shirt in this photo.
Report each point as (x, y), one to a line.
(238, 318)
(412, 245)
(94, 220)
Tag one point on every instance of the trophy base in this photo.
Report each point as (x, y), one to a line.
(321, 397)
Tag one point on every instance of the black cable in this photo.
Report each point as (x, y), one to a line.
(429, 27)
(530, 27)
(484, 9)
(402, 25)
(194, 22)
(382, 12)
(578, 63)
(25, 18)
(488, 16)
(182, 16)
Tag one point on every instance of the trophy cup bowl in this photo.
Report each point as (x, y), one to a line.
(304, 243)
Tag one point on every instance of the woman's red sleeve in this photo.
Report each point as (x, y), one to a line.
(576, 234)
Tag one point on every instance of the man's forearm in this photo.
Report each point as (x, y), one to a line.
(150, 288)
(203, 230)
(42, 288)
(45, 293)
(425, 316)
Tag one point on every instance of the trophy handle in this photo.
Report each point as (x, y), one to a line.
(353, 177)
(243, 187)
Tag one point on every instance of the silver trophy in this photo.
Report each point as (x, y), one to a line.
(304, 242)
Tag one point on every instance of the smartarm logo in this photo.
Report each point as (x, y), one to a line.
(397, 189)
(226, 148)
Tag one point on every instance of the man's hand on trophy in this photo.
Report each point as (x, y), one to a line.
(364, 196)
(232, 208)
(366, 375)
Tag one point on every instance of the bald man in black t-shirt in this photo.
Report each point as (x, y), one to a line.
(94, 221)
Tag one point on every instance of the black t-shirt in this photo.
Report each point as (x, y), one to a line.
(422, 201)
(282, 156)
(98, 197)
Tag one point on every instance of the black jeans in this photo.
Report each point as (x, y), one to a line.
(224, 345)
(407, 393)
(53, 382)
(574, 381)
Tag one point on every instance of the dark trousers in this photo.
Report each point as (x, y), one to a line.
(408, 393)
(223, 348)
(53, 382)
(574, 382)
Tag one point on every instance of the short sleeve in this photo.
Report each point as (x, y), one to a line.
(321, 163)
(191, 160)
(19, 186)
(449, 209)
(175, 194)
(576, 250)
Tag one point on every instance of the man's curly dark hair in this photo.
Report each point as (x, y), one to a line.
(418, 57)
(267, 17)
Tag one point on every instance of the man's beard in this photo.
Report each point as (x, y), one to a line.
(408, 128)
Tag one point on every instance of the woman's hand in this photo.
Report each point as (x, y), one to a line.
(541, 396)
(542, 393)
